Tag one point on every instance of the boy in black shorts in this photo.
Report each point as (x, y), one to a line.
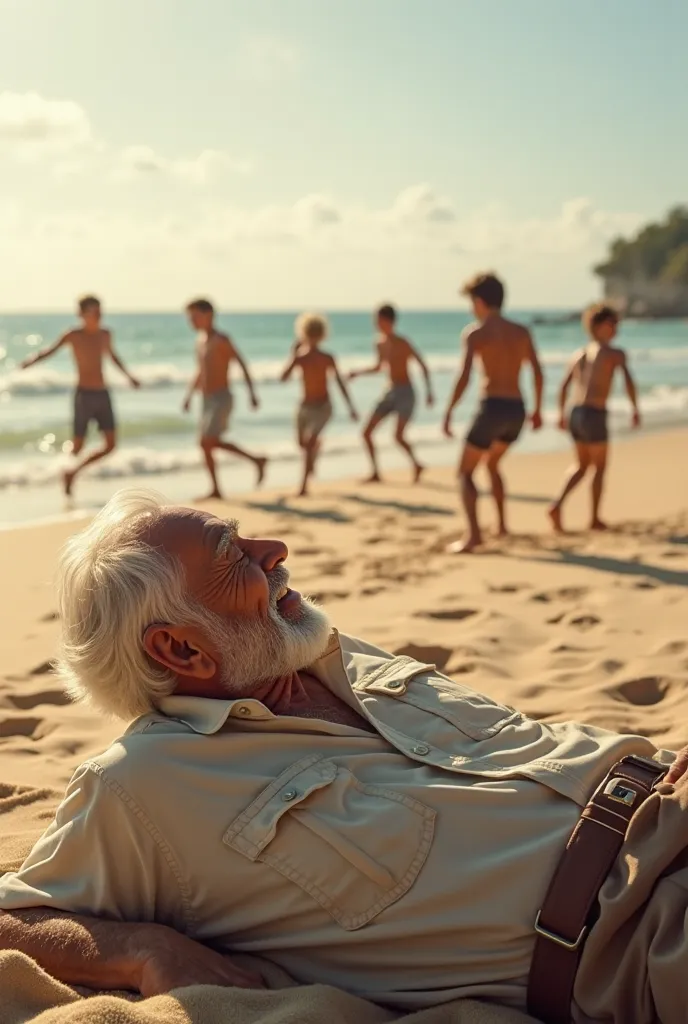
(501, 347)
(592, 372)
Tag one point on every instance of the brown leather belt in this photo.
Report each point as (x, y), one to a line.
(567, 912)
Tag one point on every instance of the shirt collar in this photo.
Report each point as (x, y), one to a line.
(207, 715)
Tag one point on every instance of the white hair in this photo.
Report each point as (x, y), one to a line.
(111, 587)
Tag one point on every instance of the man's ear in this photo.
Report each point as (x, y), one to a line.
(181, 650)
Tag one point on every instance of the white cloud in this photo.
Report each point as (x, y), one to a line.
(316, 211)
(318, 221)
(136, 161)
(30, 123)
(421, 204)
(578, 225)
(267, 58)
(33, 127)
(334, 252)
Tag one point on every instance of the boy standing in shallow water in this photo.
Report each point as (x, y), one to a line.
(215, 353)
(315, 410)
(592, 372)
(394, 353)
(90, 344)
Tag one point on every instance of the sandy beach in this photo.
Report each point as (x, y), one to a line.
(590, 627)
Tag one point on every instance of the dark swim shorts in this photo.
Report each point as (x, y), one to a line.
(92, 405)
(498, 419)
(588, 425)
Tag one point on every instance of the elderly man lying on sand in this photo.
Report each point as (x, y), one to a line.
(354, 816)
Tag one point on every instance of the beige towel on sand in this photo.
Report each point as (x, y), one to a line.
(27, 993)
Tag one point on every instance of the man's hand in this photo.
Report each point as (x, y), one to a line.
(354, 415)
(679, 767)
(430, 400)
(536, 420)
(447, 427)
(635, 419)
(26, 363)
(255, 402)
(186, 405)
(135, 383)
(175, 961)
(352, 375)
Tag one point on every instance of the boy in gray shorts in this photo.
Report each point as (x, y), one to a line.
(395, 354)
(315, 410)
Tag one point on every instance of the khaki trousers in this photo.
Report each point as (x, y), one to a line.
(634, 968)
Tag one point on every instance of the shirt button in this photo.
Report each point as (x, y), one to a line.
(289, 795)
(420, 748)
(243, 710)
(394, 685)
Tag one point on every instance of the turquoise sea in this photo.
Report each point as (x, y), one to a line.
(157, 441)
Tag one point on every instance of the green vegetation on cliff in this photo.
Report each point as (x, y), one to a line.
(658, 253)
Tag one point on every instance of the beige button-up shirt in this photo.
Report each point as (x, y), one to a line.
(404, 864)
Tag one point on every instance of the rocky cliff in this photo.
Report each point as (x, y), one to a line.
(648, 275)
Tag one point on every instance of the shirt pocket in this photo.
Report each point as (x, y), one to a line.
(354, 848)
(421, 686)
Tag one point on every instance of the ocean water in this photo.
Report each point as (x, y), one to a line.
(158, 442)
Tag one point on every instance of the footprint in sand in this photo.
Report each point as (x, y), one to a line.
(612, 666)
(19, 726)
(29, 701)
(585, 621)
(563, 594)
(50, 617)
(331, 568)
(509, 588)
(671, 647)
(322, 596)
(569, 649)
(642, 692)
(431, 655)
(448, 615)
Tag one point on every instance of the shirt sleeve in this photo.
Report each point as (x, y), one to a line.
(101, 856)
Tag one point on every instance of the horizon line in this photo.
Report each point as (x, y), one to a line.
(278, 311)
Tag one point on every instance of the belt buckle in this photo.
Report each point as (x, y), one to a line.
(617, 790)
(559, 940)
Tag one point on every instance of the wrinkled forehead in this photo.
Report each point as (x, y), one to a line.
(193, 536)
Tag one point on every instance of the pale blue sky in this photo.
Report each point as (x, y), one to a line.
(359, 148)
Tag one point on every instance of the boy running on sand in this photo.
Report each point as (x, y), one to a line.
(90, 344)
(501, 347)
(215, 353)
(315, 410)
(394, 353)
(592, 372)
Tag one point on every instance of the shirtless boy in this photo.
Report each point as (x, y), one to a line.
(502, 347)
(90, 343)
(315, 410)
(592, 372)
(394, 354)
(216, 352)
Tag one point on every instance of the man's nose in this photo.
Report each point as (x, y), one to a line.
(268, 553)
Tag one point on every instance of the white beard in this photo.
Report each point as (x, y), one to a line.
(257, 651)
